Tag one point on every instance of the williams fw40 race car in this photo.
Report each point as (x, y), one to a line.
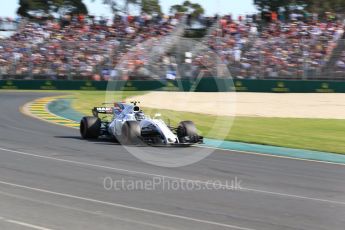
(129, 125)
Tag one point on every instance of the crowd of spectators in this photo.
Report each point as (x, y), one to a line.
(77, 46)
(337, 70)
(84, 47)
(340, 64)
(293, 48)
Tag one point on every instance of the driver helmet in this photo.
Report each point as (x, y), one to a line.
(139, 116)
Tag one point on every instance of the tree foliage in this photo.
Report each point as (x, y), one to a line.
(318, 6)
(146, 6)
(30, 8)
(194, 9)
(117, 6)
(151, 7)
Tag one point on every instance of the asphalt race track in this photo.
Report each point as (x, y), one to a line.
(51, 179)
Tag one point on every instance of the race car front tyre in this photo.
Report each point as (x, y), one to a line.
(131, 132)
(187, 132)
(90, 127)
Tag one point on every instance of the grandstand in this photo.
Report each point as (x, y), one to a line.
(85, 48)
(74, 48)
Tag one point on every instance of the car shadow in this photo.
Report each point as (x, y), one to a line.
(100, 140)
(110, 141)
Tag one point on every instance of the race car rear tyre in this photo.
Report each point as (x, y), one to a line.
(187, 132)
(90, 127)
(131, 132)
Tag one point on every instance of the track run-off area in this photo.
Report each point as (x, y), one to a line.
(51, 179)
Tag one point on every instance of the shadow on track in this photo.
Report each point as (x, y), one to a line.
(107, 141)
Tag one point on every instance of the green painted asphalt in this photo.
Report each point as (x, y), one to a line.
(62, 107)
(276, 151)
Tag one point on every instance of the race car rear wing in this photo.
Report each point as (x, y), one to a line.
(102, 110)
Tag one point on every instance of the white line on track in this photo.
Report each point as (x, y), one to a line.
(86, 211)
(16, 222)
(125, 207)
(176, 178)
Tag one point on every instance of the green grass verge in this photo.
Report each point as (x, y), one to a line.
(315, 134)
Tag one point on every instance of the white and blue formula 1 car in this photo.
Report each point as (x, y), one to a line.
(129, 125)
